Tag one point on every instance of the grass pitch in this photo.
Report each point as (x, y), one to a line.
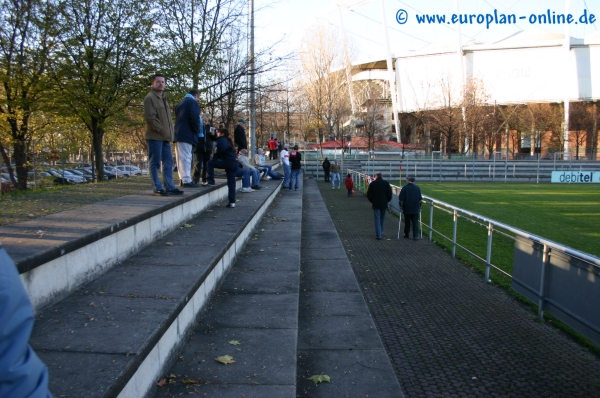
(568, 214)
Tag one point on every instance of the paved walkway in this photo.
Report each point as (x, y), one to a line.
(447, 333)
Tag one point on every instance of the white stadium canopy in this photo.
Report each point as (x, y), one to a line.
(529, 66)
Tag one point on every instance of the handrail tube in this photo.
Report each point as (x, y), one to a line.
(565, 249)
(455, 215)
(542, 293)
(488, 259)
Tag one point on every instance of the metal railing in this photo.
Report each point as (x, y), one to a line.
(492, 228)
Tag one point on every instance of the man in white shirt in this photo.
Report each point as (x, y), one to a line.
(284, 159)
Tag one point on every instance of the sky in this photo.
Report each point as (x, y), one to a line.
(287, 20)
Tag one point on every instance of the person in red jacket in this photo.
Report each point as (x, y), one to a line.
(272, 143)
(349, 185)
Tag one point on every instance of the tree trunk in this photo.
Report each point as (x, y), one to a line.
(97, 136)
(20, 159)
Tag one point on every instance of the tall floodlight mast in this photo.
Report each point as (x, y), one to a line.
(252, 148)
(567, 46)
(347, 62)
(391, 76)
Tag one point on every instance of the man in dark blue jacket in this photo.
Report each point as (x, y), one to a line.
(239, 135)
(379, 194)
(187, 128)
(410, 205)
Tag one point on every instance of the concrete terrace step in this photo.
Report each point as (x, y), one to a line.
(292, 303)
(58, 253)
(257, 306)
(114, 335)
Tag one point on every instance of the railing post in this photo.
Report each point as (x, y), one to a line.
(545, 259)
(431, 222)
(488, 257)
(454, 234)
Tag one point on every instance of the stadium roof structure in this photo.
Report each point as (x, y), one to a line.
(362, 143)
(527, 66)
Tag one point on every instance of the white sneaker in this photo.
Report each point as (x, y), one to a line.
(247, 190)
(332, 187)
(268, 177)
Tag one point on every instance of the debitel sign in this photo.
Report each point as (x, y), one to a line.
(576, 177)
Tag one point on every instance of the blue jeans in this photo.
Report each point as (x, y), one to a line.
(295, 176)
(334, 177)
(159, 153)
(286, 175)
(379, 219)
(230, 170)
(255, 176)
(245, 174)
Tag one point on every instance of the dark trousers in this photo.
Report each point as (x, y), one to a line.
(230, 171)
(414, 219)
(326, 175)
(202, 159)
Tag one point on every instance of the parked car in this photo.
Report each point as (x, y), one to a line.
(110, 175)
(117, 172)
(131, 170)
(64, 177)
(6, 176)
(88, 178)
(87, 173)
(39, 179)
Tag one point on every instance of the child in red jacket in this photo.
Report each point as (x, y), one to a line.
(349, 185)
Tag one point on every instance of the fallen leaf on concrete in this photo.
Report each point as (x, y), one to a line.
(234, 342)
(225, 359)
(169, 243)
(161, 382)
(188, 225)
(320, 379)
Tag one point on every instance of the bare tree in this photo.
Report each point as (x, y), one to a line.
(325, 87)
(580, 124)
(448, 117)
(194, 35)
(374, 125)
(546, 119)
(478, 116)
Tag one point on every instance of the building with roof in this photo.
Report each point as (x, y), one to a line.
(532, 66)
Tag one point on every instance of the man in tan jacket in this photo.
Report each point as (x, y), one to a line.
(159, 135)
